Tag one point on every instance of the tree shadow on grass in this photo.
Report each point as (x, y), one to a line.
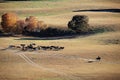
(93, 31)
(48, 38)
(99, 10)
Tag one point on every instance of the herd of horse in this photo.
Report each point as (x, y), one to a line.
(34, 47)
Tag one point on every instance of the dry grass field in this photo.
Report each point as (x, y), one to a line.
(70, 63)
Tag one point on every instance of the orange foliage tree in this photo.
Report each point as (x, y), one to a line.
(20, 24)
(31, 22)
(9, 22)
(34, 25)
(42, 25)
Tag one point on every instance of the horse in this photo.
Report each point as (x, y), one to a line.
(98, 58)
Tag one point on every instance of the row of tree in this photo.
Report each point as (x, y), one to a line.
(11, 24)
(33, 27)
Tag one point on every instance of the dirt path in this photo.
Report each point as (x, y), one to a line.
(66, 76)
(29, 61)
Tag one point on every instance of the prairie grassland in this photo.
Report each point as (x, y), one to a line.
(57, 12)
(70, 63)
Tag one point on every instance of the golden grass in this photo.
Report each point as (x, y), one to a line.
(68, 61)
(61, 11)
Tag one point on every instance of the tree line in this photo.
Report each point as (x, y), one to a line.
(31, 26)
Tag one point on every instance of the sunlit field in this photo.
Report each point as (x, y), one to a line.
(71, 63)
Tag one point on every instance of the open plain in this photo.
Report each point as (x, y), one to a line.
(71, 63)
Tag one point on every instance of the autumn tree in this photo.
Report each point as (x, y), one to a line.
(42, 25)
(34, 25)
(31, 22)
(8, 22)
(20, 24)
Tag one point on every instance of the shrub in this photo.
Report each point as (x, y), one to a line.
(9, 22)
(79, 23)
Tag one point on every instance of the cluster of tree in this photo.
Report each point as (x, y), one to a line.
(33, 27)
(11, 24)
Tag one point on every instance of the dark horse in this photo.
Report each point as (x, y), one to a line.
(98, 58)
